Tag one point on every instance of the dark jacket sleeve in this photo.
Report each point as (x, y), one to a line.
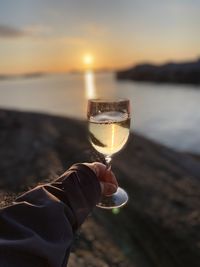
(38, 229)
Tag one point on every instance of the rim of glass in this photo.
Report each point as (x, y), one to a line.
(108, 100)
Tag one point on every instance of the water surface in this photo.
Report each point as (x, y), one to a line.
(169, 114)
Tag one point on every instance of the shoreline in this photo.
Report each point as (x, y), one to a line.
(194, 154)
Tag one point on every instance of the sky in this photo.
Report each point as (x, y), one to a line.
(53, 36)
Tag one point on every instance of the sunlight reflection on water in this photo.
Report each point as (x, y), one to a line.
(90, 89)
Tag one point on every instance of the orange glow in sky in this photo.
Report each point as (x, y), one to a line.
(88, 59)
(54, 37)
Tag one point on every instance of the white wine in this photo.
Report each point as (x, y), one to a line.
(109, 131)
(109, 123)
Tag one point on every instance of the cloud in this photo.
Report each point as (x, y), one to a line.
(39, 33)
(62, 40)
(7, 31)
(37, 30)
(95, 29)
(71, 40)
(11, 32)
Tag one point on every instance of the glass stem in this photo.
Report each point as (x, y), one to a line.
(108, 162)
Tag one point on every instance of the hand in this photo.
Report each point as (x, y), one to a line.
(106, 178)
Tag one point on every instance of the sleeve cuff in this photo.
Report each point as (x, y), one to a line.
(82, 190)
(89, 183)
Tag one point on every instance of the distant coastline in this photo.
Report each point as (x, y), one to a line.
(24, 75)
(41, 74)
(172, 72)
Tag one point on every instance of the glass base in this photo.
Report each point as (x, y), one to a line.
(117, 200)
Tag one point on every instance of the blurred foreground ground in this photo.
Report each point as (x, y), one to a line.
(160, 226)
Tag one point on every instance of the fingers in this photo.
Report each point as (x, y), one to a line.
(106, 177)
(108, 189)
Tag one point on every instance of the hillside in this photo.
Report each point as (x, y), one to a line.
(184, 73)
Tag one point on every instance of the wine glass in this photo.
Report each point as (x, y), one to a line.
(109, 124)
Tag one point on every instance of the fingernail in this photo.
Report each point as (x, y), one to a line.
(109, 189)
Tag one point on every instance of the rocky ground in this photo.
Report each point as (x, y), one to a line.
(160, 226)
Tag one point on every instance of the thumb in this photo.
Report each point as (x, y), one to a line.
(108, 189)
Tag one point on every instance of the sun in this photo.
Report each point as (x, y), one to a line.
(88, 59)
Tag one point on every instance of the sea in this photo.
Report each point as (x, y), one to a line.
(166, 113)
